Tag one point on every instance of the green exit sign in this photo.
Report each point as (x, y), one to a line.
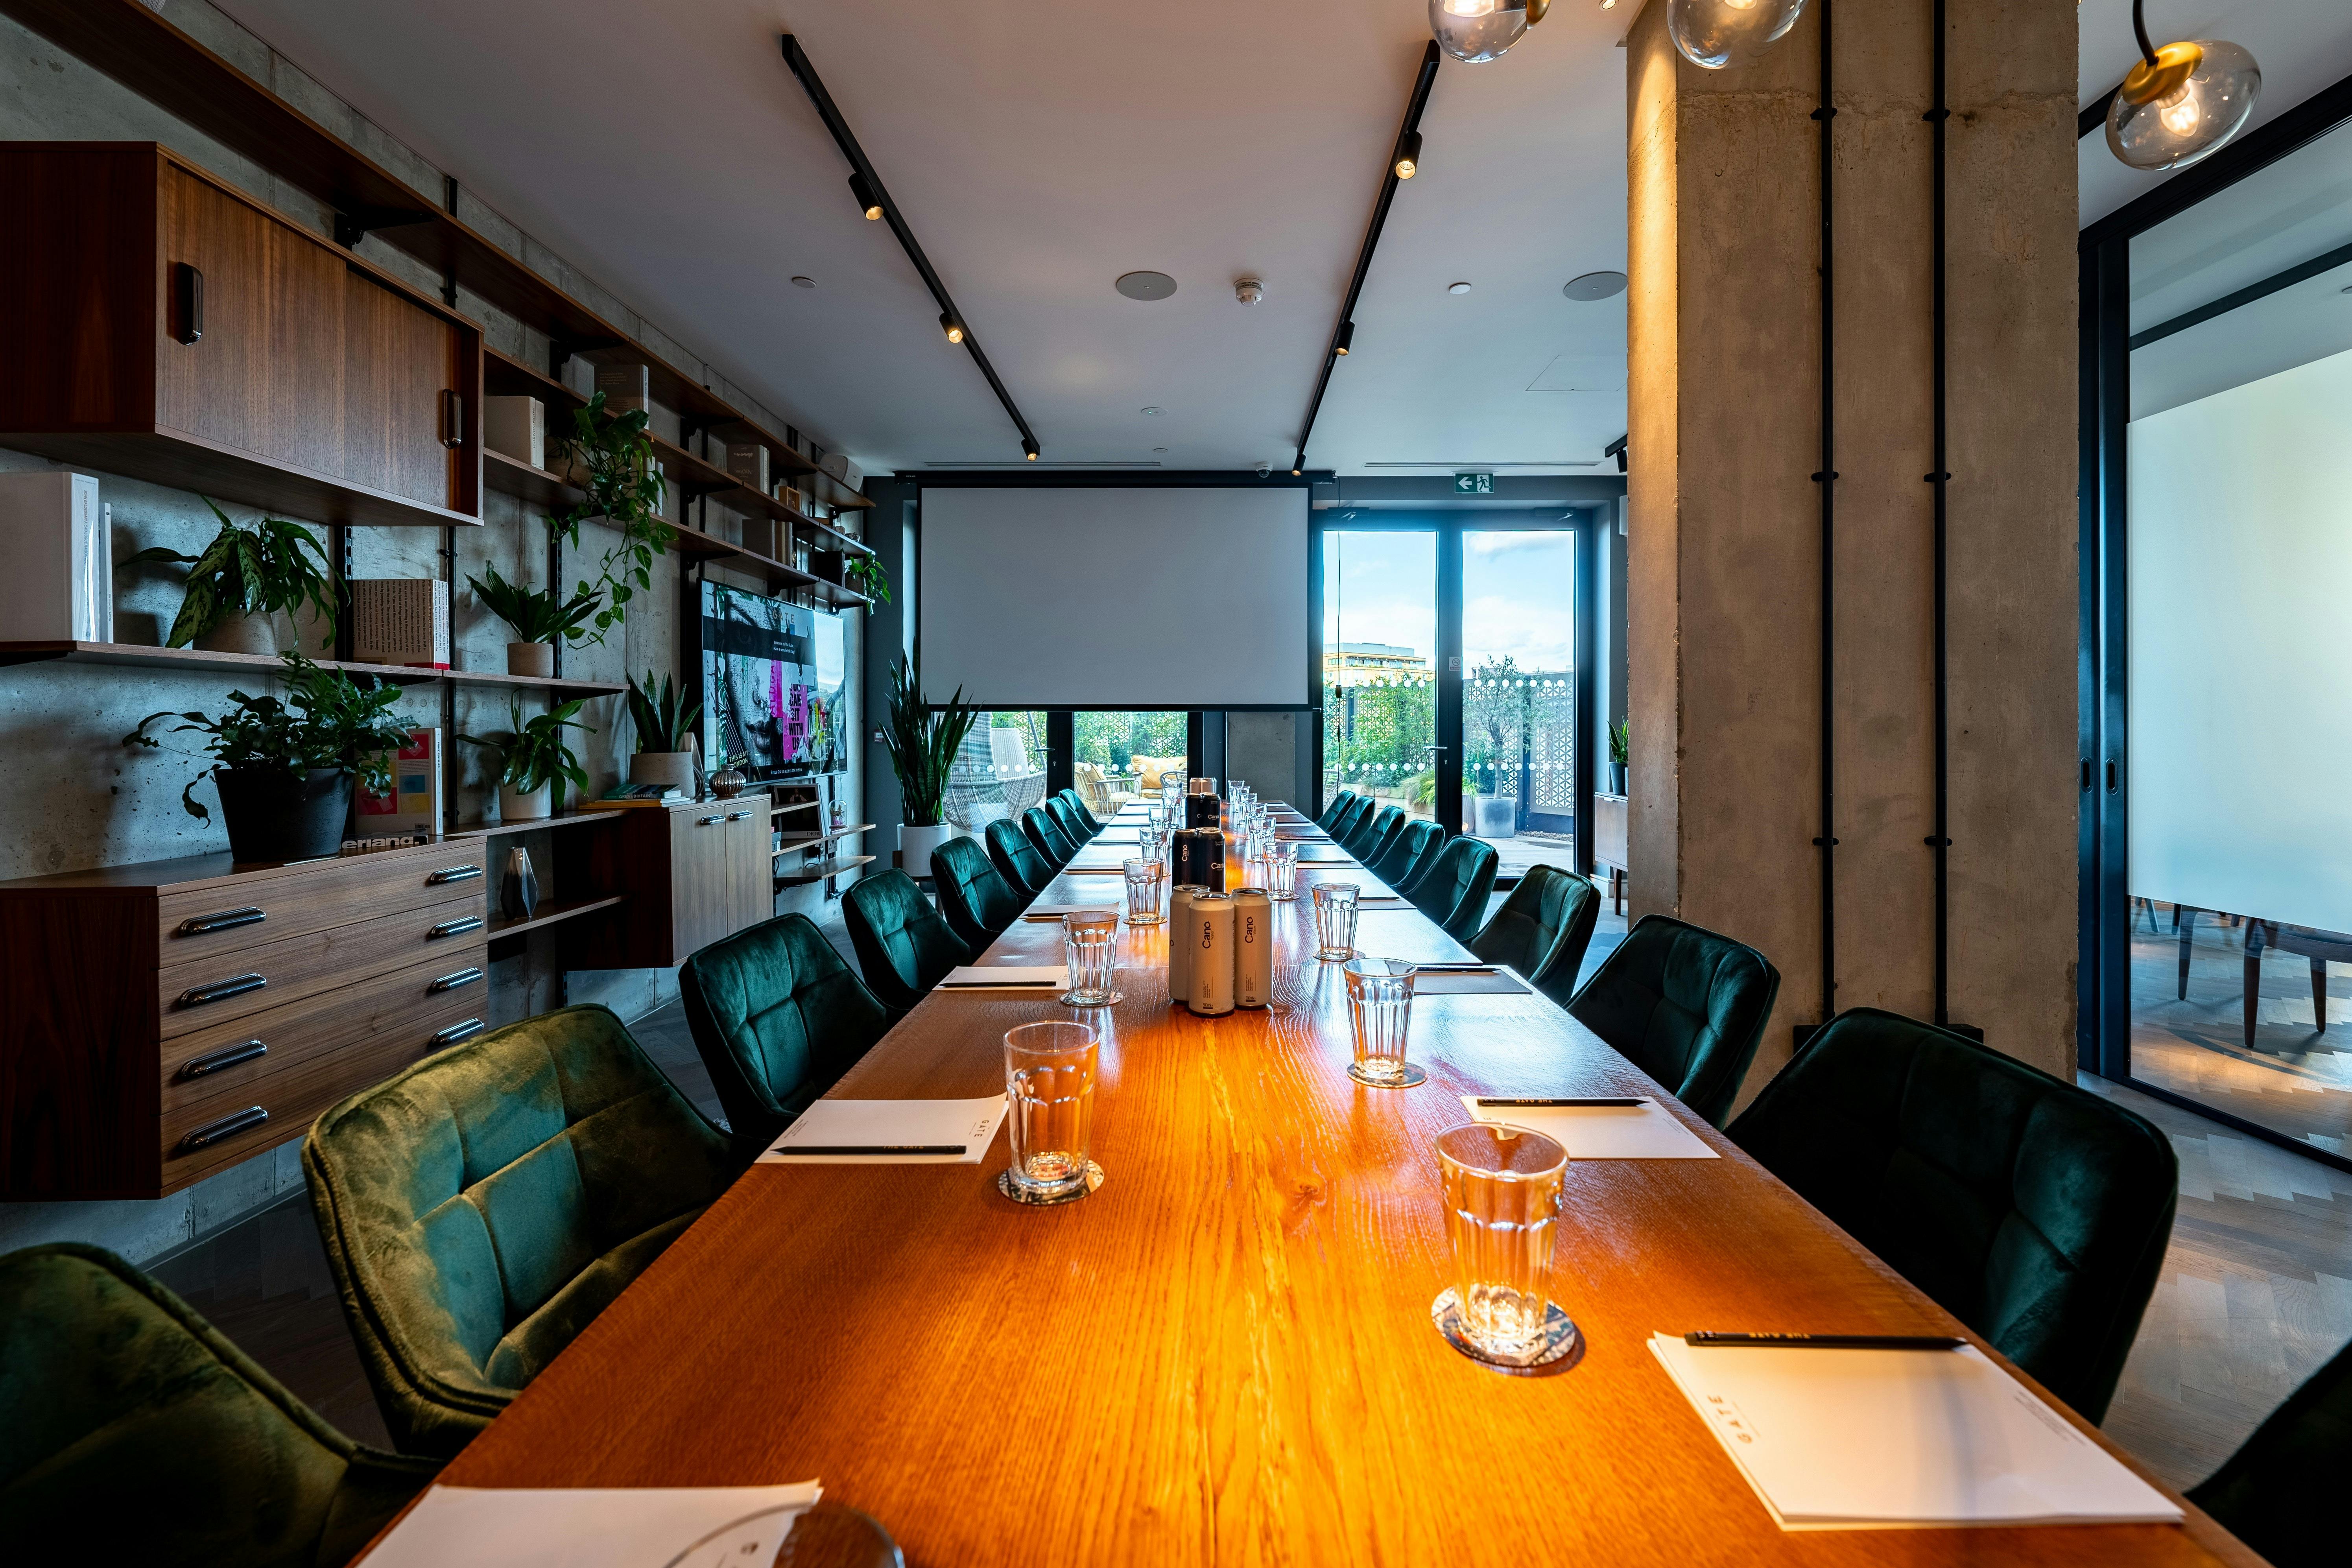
(1473, 484)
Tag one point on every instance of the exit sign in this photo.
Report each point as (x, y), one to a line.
(1473, 484)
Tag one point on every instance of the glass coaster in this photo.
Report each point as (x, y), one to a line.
(1070, 999)
(1020, 1195)
(1560, 1340)
(1410, 1076)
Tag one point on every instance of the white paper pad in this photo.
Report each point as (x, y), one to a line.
(1056, 911)
(1366, 903)
(1646, 1131)
(1861, 1439)
(1430, 982)
(1044, 978)
(625, 1526)
(1096, 868)
(971, 1122)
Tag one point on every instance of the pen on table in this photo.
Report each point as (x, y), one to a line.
(998, 984)
(1706, 1337)
(1600, 1099)
(869, 1149)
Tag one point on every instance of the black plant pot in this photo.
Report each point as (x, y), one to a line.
(273, 814)
(829, 564)
(1616, 778)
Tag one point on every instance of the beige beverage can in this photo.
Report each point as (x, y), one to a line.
(1253, 949)
(1181, 937)
(1209, 935)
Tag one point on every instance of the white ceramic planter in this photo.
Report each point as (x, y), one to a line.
(525, 805)
(916, 844)
(671, 770)
(1497, 816)
(531, 658)
(241, 634)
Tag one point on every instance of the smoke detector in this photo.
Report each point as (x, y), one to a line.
(1249, 291)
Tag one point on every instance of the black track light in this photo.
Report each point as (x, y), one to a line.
(1029, 447)
(867, 200)
(1407, 158)
(952, 327)
(1346, 338)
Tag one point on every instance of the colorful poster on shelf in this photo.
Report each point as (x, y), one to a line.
(414, 803)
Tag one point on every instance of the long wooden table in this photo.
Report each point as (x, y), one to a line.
(1224, 1355)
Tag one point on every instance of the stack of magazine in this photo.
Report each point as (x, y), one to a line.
(621, 798)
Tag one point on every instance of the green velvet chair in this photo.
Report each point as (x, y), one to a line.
(2033, 1211)
(1542, 930)
(904, 946)
(481, 1208)
(1018, 859)
(2277, 1492)
(1683, 1005)
(777, 1018)
(1453, 892)
(975, 896)
(1375, 831)
(1041, 830)
(1066, 819)
(1079, 817)
(1342, 805)
(1408, 857)
(131, 1431)
(1358, 807)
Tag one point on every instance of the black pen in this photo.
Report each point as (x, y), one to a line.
(1828, 1342)
(869, 1149)
(998, 984)
(1605, 1099)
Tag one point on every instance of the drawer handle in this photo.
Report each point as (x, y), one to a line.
(212, 1132)
(224, 920)
(708, 821)
(188, 303)
(454, 874)
(454, 928)
(221, 990)
(214, 1061)
(456, 1032)
(462, 978)
(737, 815)
(453, 417)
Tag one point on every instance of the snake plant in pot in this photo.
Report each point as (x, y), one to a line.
(534, 762)
(284, 766)
(665, 722)
(922, 742)
(540, 618)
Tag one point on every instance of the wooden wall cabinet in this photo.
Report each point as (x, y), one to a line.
(158, 323)
(693, 873)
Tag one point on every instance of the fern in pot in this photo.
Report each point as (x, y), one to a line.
(540, 618)
(534, 761)
(923, 742)
(284, 766)
(244, 580)
(665, 723)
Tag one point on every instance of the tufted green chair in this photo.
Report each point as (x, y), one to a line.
(977, 900)
(1411, 854)
(1342, 805)
(1453, 892)
(131, 1431)
(1066, 818)
(1040, 828)
(482, 1207)
(2033, 1211)
(904, 947)
(777, 1018)
(1018, 859)
(1375, 831)
(1340, 827)
(2277, 1492)
(1685, 1005)
(1543, 929)
(1078, 818)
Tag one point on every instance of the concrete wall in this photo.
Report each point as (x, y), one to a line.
(1724, 564)
(78, 798)
(1262, 750)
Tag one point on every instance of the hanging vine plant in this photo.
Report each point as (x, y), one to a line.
(613, 461)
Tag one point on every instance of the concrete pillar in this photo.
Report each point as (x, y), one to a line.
(1724, 567)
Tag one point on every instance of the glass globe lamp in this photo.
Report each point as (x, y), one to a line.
(2182, 106)
(1714, 33)
(1476, 31)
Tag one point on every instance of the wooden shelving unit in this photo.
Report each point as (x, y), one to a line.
(821, 873)
(552, 911)
(184, 462)
(140, 655)
(834, 836)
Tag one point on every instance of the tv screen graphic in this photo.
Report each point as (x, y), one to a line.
(773, 680)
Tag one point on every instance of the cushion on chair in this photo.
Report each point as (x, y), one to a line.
(1010, 849)
(1683, 1005)
(2277, 1492)
(1453, 892)
(2033, 1211)
(480, 1207)
(1152, 772)
(1410, 854)
(975, 896)
(1543, 929)
(904, 946)
(1043, 832)
(132, 1431)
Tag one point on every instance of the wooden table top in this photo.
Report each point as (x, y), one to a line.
(1224, 1355)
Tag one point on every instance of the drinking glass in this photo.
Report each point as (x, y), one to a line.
(1502, 1186)
(1150, 845)
(1380, 1005)
(1090, 947)
(1282, 874)
(1049, 1079)
(1335, 921)
(1155, 819)
(1145, 878)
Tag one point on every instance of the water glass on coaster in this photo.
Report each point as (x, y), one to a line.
(1049, 1082)
(1281, 864)
(1380, 1005)
(1335, 919)
(1502, 1193)
(1090, 947)
(1145, 876)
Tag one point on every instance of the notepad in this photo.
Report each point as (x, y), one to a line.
(894, 1124)
(1644, 1132)
(1869, 1439)
(617, 1527)
(1056, 911)
(996, 979)
(1432, 984)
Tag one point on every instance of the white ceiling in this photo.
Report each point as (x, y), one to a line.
(1039, 150)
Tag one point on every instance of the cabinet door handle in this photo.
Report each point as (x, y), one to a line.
(187, 302)
(211, 1132)
(737, 815)
(225, 919)
(453, 873)
(708, 821)
(454, 928)
(456, 1032)
(458, 981)
(453, 417)
(214, 1061)
(221, 990)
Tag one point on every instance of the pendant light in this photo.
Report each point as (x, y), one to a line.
(1476, 31)
(1714, 33)
(2180, 103)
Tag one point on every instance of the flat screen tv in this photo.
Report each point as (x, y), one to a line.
(773, 678)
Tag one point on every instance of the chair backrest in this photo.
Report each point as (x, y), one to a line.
(2033, 1211)
(1008, 752)
(1685, 1006)
(1335, 813)
(777, 1017)
(1046, 834)
(1091, 793)
(2277, 1492)
(1375, 831)
(1017, 858)
(1084, 808)
(975, 896)
(1066, 818)
(1453, 892)
(1359, 807)
(480, 1207)
(903, 945)
(1543, 929)
(134, 1429)
(1410, 854)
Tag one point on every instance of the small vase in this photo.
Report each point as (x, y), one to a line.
(243, 634)
(671, 770)
(726, 783)
(524, 806)
(531, 659)
(519, 894)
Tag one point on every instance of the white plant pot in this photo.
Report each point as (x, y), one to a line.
(525, 805)
(531, 659)
(916, 844)
(243, 634)
(671, 770)
(1497, 816)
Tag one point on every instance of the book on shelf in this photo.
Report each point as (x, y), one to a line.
(413, 805)
(627, 796)
(400, 620)
(516, 427)
(55, 532)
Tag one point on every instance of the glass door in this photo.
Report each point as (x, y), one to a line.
(1519, 694)
(1116, 758)
(1378, 686)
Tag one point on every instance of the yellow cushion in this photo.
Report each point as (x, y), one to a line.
(1150, 768)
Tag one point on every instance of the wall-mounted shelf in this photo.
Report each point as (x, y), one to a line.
(821, 873)
(823, 838)
(184, 462)
(140, 655)
(552, 911)
(778, 576)
(533, 486)
(563, 819)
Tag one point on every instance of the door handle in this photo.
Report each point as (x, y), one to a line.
(221, 990)
(453, 417)
(187, 302)
(225, 919)
(710, 821)
(737, 815)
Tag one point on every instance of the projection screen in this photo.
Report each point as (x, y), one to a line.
(1115, 598)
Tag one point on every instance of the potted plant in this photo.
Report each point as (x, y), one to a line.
(538, 617)
(242, 580)
(284, 766)
(1621, 751)
(866, 575)
(665, 722)
(534, 760)
(611, 458)
(923, 742)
